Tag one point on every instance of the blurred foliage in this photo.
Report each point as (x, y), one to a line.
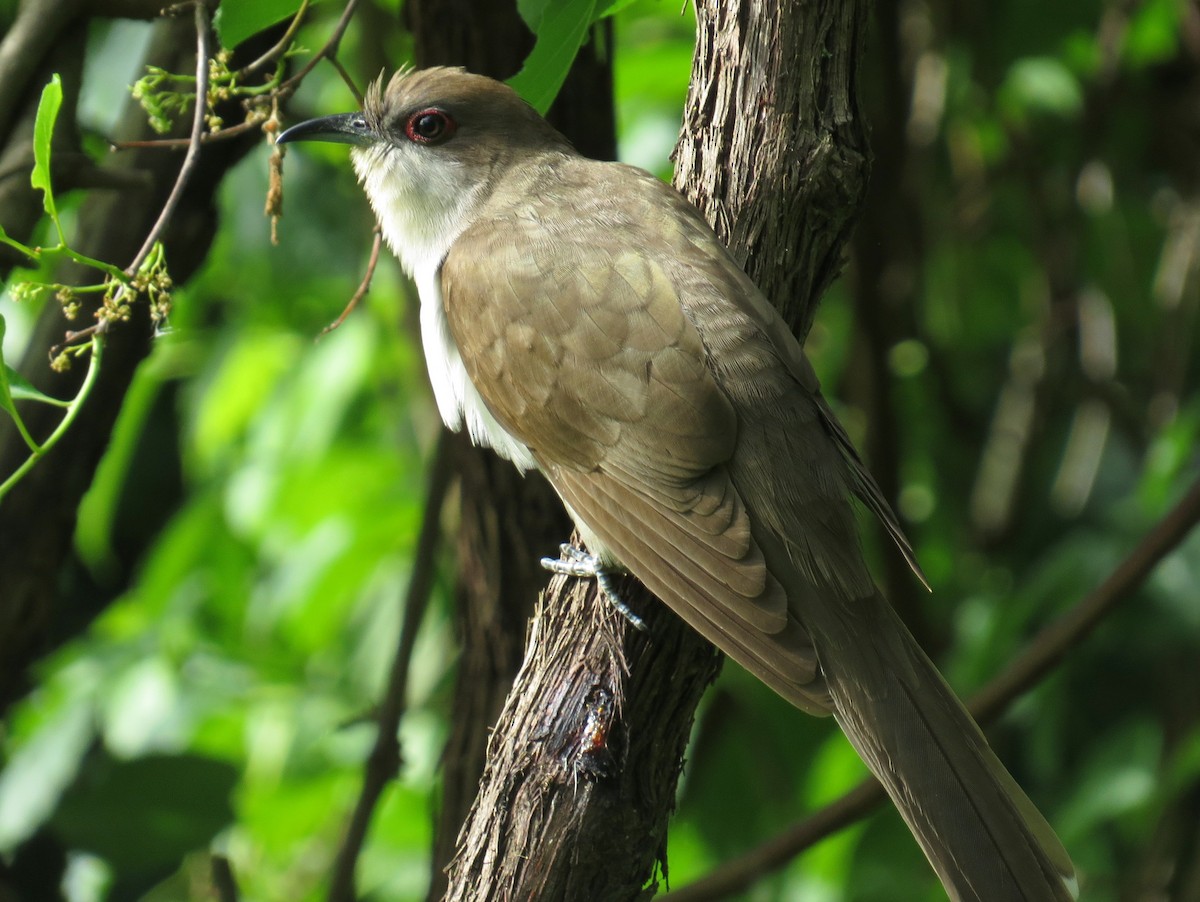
(250, 530)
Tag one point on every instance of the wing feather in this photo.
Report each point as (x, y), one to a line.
(598, 370)
(632, 375)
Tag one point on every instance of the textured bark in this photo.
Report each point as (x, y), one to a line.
(507, 524)
(773, 150)
(583, 763)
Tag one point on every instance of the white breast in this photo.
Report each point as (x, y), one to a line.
(421, 218)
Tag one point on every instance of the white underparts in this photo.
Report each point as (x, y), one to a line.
(421, 218)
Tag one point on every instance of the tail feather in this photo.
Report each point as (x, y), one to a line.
(983, 836)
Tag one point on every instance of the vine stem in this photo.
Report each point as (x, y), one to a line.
(85, 389)
(280, 47)
(363, 286)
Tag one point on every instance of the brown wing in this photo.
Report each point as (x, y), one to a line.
(581, 348)
(633, 378)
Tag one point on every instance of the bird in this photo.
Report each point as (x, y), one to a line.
(581, 318)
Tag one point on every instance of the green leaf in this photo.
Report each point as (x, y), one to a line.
(20, 389)
(14, 386)
(6, 378)
(237, 20)
(38, 769)
(16, 245)
(560, 33)
(1153, 34)
(614, 7)
(43, 131)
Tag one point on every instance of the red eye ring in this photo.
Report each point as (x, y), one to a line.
(430, 126)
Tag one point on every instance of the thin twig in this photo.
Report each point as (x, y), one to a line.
(1047, 649)
(280, 46)
(100, 327)
(89, 382)
(329, 50)
(193, 151)
(347, 78)
(363, 286)
(288, 87)
(180, 143)
(1051, 644)
(384, 760)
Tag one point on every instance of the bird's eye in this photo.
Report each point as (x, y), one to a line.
(432, 126)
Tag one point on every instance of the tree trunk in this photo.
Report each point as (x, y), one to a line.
(583, 763)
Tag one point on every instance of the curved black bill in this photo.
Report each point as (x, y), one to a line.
(344, 128)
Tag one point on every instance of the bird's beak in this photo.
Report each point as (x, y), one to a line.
(344, 128)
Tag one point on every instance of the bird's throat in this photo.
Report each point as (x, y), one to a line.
(420, 217)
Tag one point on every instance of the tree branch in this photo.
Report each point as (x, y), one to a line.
(200, 17)
(37, 26)
(384, 760)
(1051, 645)
(329, 49)
(38, 515)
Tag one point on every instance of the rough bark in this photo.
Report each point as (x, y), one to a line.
(507, 524)
(773, 150)
(583, 763)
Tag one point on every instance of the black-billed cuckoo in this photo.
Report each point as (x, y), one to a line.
(581, 318)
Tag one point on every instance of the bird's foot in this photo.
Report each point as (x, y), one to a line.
(579, 563)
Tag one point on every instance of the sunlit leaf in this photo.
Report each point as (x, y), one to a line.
(1118, 777)
(560, 33)
(14, 386)
(611, 9)
(6, 374)
(1153, 34)
(35, 775)
(43, 132)
(237, 20)
(21, 389)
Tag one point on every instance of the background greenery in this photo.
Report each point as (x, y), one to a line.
(250, 530)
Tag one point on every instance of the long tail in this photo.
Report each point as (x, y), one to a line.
(981, 833)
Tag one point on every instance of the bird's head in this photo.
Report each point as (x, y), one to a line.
(429, 148)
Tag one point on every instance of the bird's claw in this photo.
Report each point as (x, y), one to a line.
(583, 565)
